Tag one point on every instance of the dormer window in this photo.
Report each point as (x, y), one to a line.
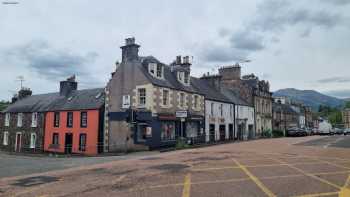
(183, 77)
(156, 70)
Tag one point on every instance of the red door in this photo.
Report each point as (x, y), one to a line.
(18, 142)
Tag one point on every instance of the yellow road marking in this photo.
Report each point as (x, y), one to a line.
(345, 191)
(310, 175)
(319, 195)
(255, 179)
(187, 186)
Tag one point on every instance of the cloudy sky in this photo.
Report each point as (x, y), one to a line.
(303, 44)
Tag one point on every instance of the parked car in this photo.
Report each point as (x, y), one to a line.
(347, 131)
(296, 132)
(338, 131)
(315, 131)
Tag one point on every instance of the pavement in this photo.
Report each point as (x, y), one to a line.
(268, 167)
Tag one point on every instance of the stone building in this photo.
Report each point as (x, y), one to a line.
(150, 104)
(346, 118)
(262, 99)
(284, 117)
(24, 123)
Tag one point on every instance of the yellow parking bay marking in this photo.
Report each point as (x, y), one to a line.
(255, 179)
(309, 175)
(320, 194)
(345, 191)
(187, 186)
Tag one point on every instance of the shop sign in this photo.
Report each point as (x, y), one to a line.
(181, 114)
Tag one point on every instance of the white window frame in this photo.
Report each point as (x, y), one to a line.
(34, 119)
(182, 100)
(7, 119)
(139, 97)
(19, 119)
(32, 143)
(159, 70)
(5, 140)
(167, 98)
(152, 69)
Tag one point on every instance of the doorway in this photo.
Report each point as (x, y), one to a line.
(211, 132)
(230, 130)
(18, 144)
(222, 131)
(68, 143)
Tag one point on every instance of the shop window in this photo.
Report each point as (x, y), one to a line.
(143, 132)
(82, 142)
(168, 131)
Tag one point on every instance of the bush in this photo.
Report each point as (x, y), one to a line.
(277, 133)
(182, 143)
(266, 133)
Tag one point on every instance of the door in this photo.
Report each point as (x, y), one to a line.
(211, 132)
(222, 131)
(240, 133)
(18, 144)
(68, 143)
(230, 131)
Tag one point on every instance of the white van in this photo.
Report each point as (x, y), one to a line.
(325, 128)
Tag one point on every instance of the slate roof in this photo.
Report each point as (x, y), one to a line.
(77, 100)
(170, 78)
(283, 107)
(233, 96)
(210, 92)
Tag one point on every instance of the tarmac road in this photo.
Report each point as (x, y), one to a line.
(270, 167)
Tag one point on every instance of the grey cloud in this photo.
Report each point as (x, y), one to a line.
(277, 15)
(335, 80)
(222, 54)
(247, 41)
(51, 63)
(336, 2)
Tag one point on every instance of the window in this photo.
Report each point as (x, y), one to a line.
(143, 132)
(231, 111)
(19, 119)
(221, 110)
(186, 78)
(32, 140)
(182, 99)
(7, 119)
(168, 131)
(70, 119)
(82, 142)
(165, 97)
(180, 76)
(212, 109)
(34, 119)
(196, 104)
(142, 96)
(159, 71)
(151, 68)
(83, 119)
(56, 121)
(5, 141)
(55, 139)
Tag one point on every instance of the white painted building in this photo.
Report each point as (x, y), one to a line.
(245, 122)
(219, 120)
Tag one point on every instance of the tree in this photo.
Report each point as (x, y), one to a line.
(347, 104)
(3, 105)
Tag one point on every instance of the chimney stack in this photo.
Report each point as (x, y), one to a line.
(24, 92)
(130, 52)
(67, 86)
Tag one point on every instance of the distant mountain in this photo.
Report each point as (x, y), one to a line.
(310, 97)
